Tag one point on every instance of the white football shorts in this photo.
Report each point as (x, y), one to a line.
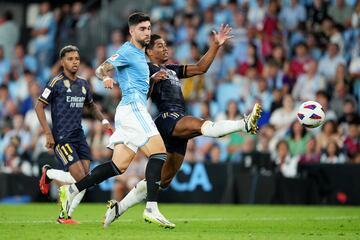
(133, 126)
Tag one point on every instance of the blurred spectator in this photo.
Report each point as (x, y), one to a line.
(20, 134)
(29, 102)
(23, 61)
(13, 163)
(329, 63)
(355, 17)
(135, 171)
(282, 117)
(256, 14)
(337, 38)
(309, 83)
(7, 105)
(339, 96)
(301, 59)
(291, 16)
(9, 32)
(271, 28)
(205, 29)
(214, 154)
(329, 132)
(5, 67)
(323, 98)
(313, 46)
(340, 12)
(43, 36)
(252, 60)
(274, 75)
(350, 116)
(352, 140)
(317, 13)
(119, 189)
(117, 39)
(190, 154)
(162, 11)
(231, 113)
(286, 164)
(297, 139)
(266, 139)
(332, 154)
(310, 155)
(276, 100)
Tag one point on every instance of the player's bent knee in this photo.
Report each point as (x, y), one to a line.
(165, 183)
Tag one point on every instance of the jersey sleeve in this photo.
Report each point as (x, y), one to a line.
(48, 92)
(180, 70)
(118, 60)
(89, 96)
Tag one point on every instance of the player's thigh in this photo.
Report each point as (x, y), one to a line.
(122, 156)
(188, 127)
(153, 146)
(170, 168)
(77, 170)
(86, 165)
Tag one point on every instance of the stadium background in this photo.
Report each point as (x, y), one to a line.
(283, 53)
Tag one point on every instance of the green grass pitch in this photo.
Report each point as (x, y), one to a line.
(37, 221)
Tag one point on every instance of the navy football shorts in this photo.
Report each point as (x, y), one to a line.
(70, 152)
(165, 123)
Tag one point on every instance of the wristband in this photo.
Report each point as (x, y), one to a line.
(106, 78)
(105, 121)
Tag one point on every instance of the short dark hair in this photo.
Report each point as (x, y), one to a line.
(151, 44)
(68, 48)
(137, 17)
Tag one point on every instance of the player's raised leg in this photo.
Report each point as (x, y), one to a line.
(190, 126)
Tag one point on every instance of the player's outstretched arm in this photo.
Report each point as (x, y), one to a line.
(99, 116)
(104, 73)
(204, 63)
(39, 109)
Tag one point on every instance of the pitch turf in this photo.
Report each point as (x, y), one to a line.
(37, 221)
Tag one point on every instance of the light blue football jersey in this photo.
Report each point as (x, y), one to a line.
(131, 73)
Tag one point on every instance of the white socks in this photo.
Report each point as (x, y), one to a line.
(135, 196)
(76, 201)
(222, 128)
(60, 176)
(153, 206)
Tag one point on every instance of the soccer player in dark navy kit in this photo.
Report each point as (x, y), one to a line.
(67, 94)
(175, 127)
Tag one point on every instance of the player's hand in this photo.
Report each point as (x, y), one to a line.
(108, 128)
(108, 82)
(159, 76)
(50, 142)
(223, 35)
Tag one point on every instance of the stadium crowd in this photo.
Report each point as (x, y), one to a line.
(283, 52)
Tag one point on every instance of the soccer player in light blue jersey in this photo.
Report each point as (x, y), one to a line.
(134, 127)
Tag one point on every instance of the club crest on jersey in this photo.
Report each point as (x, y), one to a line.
(114, 57)
(67, 85)
(83, 89)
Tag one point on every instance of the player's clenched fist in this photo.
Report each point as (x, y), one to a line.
(50, 142)
(108, 82)
(160, 75)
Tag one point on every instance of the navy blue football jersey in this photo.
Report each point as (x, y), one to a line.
(66, 98)
(167, 94)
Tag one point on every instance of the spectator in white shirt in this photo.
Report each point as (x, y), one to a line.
(329, 63)
(309, 83)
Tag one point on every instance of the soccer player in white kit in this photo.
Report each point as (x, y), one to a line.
(134, 127)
